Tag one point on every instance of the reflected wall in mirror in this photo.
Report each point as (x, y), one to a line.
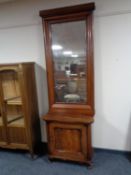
(69, 50)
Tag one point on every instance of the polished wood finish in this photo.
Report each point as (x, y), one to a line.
(19, 119)
(69, 125)
(67, 10)
(67, 140)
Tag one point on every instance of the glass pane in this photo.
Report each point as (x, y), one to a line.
(10, 84)
(12, 98)
(15, 115)
(69, 57)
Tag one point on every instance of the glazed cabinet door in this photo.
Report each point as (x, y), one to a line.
(67, 141)
(12, 122)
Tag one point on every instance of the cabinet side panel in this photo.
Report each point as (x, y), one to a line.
(32, 112)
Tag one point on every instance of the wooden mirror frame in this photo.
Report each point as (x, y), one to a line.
(68, 14)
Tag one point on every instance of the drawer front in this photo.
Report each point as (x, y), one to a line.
(67, 141)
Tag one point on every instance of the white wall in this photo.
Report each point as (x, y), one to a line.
(21, 39)
(112, 128)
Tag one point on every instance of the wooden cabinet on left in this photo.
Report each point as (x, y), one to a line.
(19, 118)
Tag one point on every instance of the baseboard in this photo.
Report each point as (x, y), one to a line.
(112, 151)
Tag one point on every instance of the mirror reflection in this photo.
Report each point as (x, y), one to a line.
(69, 58)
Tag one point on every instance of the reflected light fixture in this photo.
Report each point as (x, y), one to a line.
(67, 52)
(74, 55)
(57, 47)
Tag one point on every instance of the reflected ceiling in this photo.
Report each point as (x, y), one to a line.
(71, 36)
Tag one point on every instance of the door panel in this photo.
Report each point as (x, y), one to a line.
(67, 140)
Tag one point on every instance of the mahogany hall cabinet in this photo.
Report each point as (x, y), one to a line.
(19, 119)
(69, 59)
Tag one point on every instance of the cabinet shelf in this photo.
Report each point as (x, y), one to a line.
(19, 122)
(12, 118)
(67, 79)
(14, 101)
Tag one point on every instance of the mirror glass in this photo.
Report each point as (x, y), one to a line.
(69, 49)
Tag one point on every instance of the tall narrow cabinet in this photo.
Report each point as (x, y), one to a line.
(19, 119)
(69, 59)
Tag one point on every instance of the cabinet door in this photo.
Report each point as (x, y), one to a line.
(68, 141)
(11, 104)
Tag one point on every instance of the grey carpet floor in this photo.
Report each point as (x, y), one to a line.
(105, 163)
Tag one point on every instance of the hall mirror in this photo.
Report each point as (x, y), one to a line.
(68, 37)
